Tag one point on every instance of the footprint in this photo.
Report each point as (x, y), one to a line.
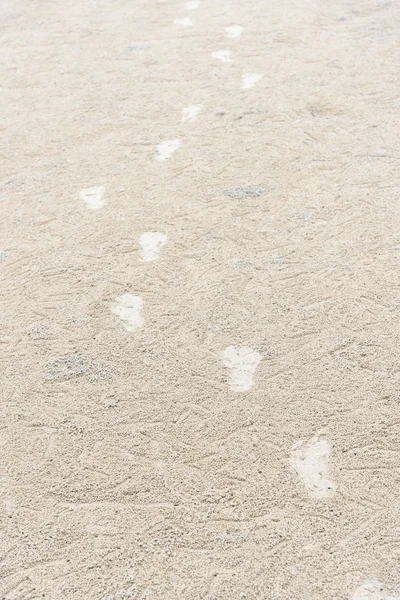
(372, 590)
(192, 4)
(310, 461)
(242, 364)
(250, 79)
(185, 22)
(233, 31)
(151, 243)
(93, 197)
(128, 308)
(223, 55)
(166, 149)
(190, 113)
(9, 504)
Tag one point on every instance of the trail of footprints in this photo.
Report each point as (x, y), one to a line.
(309, 459)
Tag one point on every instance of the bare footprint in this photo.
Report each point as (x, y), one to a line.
(233, 31)
(223, 55)
(242, 364)
(249, 80)
(190, 113)
(192, 4)
(128, 308)
(184, 22)
(310, 461)
(93, 197)
(151, 243)
(372, 590)
(166, 149)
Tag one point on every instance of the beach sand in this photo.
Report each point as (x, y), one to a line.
(199, 258)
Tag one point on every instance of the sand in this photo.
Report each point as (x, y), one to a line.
(200, 300)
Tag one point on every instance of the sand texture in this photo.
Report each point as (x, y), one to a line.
(200, 300)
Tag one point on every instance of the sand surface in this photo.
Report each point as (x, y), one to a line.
(200, 300)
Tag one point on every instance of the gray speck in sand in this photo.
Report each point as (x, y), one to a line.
(247, 191)
(63, 369)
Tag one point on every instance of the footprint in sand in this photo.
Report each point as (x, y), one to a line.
(223, 55)
(249, 80)
(310, 461)
(233, 31)
(242, 364)
(93, 197)
(190, 113)
(151, 243)
(166, 149)
(129, 308)
(372, 590)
